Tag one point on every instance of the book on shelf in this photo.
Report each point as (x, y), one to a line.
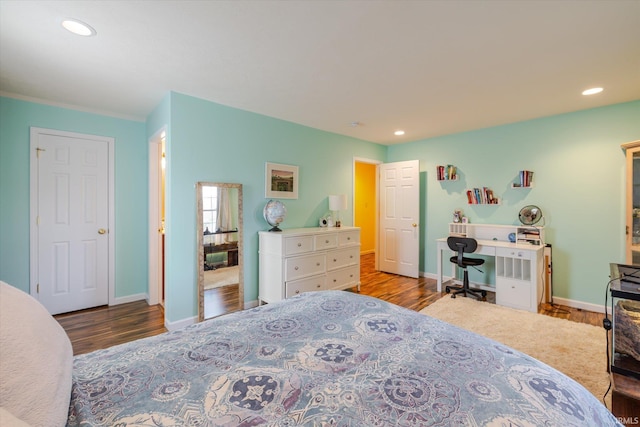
(525, 179)
(445, 173)
(481, 196)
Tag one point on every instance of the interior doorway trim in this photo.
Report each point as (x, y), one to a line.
(377, 206)
(33, 209)
(155, 243)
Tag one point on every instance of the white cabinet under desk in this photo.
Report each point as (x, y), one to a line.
(307, 259)
(519, 270)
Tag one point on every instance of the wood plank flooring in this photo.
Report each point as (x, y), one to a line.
(103, 327)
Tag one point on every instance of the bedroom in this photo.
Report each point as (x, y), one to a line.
(576, 156)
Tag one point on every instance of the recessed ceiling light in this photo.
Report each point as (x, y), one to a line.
(399, 133)
(592, 91)
(78, 27)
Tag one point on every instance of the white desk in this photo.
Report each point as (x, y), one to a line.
(519, 271)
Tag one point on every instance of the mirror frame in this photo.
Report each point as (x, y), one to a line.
(200, 244)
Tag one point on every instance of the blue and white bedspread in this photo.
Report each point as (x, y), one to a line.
(325, 359)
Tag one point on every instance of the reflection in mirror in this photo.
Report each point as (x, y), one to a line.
(219, 242)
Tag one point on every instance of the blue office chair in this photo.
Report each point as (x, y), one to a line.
(464, 245)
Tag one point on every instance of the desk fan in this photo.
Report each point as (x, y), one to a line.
(530, 215)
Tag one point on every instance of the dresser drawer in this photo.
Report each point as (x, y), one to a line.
(513, 253)
(304, 285)
(304, 266)
(346, 277)
(343, 258)
(326, 241)
(298, 245)
(349, 238)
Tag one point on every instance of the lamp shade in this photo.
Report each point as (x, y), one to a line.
(337, 202)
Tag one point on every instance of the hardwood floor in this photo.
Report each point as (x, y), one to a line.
(103, 327)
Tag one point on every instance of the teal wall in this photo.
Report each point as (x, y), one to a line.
(211, 142)
(579, 178)
(16, 117)
(578, 164)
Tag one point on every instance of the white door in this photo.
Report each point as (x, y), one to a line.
(70, 190)
(399, 186)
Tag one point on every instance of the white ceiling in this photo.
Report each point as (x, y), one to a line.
(428, 67)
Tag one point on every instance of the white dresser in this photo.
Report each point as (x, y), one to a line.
(307, 259)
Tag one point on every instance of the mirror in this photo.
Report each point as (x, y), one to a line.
(219, 244)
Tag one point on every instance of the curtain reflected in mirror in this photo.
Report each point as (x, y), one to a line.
(219, 223)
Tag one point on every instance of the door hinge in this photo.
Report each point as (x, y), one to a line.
(38, 288)
(38, 220)
(38, 150)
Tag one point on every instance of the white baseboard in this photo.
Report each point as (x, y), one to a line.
(597, 308)
(179, 324)
(129, 298)
(251, 304)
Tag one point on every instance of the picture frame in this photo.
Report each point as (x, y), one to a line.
(281, 181)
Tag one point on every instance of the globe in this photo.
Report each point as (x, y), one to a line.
(274, 213)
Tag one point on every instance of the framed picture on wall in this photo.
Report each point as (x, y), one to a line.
(281, 181)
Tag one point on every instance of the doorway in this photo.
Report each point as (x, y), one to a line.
(157, 212)
(72, 227)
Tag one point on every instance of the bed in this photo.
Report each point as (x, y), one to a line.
(330, 358)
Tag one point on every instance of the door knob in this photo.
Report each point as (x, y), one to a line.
(414, 225)
(102, 231)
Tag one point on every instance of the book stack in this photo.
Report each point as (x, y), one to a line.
(447, 173)
(525, 179)
(529, 235)
(481, 196)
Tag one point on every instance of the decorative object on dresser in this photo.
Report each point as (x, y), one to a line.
(274, 213)
(337, 203)
(281, 181)
(307, 259)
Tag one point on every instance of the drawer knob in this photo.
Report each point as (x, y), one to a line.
(335, 280)
(299, 244)
(297, 292)
(318, 286)
(295, 268)
(334, 260)
(351, 275)
(318, 264)
(326, 241)
(348, 238)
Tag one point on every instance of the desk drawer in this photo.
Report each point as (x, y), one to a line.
(298, 245)
(304, 266)
(513, 253)
(514, 293)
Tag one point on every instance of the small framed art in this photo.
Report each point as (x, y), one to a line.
(281, 181)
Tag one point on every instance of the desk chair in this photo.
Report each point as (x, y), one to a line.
(464, 245)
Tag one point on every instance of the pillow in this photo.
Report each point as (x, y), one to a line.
(36, 359)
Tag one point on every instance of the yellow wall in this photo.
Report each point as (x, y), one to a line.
(365, 205)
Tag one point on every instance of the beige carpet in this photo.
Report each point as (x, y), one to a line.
(576, 349)
(221, 277)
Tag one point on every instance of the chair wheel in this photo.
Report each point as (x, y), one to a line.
(484, 294)
(453, 295)
(447, 290)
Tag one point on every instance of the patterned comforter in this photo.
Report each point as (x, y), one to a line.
(324, 359)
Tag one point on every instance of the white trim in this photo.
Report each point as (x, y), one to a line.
(71, 107)
(154, 221)
(33, 205)
(180, 324)
(353, 202)
(597, 308)
(130, 298)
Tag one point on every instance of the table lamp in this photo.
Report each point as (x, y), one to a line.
(337, 203)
